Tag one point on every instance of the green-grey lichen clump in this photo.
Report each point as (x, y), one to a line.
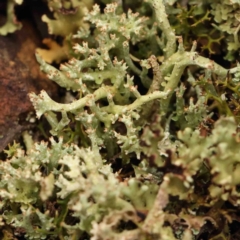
(66, 20)
(145, 146)
(227, 18)
(11, 24)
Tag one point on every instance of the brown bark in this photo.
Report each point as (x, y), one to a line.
(19, 75)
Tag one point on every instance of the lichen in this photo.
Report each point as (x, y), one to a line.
(148, 146)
